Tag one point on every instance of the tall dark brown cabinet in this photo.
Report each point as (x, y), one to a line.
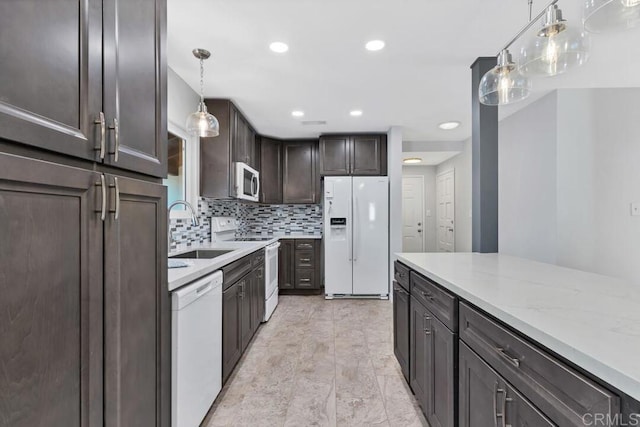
(270, 171)
(84, 313)
(300, 177)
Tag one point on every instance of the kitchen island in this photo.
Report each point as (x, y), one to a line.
(558, 337)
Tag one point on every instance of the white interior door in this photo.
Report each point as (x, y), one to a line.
(371, 235)
(413, 214)
(445, 190)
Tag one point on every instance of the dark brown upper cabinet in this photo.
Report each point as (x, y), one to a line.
(300, 173)
(96, 89)
(271, 171)
(353, 155)
(236, 143)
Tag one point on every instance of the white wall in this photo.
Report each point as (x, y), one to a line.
(527, 181)
(429, 175)
(592, 167)
(462, 166)
(182, 100)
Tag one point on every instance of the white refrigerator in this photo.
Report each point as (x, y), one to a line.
(356, 236)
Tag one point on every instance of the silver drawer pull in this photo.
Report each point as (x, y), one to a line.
(427, 330)
(305, 280)
(305, 259)
(513, 360)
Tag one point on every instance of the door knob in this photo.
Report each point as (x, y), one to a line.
(419, 231)
(419, 224)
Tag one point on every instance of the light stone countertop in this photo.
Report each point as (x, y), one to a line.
(589, 319)
(201, 267)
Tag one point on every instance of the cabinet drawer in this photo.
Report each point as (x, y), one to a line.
(401, 274)
(236, 270)
(304, 244)
(304, 259)
(306, 279)
(258, 259)
(440, 302)
(560, 392)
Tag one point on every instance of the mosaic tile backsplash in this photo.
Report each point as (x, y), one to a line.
(253, 219)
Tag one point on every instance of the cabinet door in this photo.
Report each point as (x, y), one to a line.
(231, 344)
(246, 295)
(487, 400)
(285, 264)
(440, 395)
(401, 319)
(271, 171)
(420, 355)
(251, 148)
(239, 130)
(334, 154)
(135, 85)
(51, 75)
(51, 294)
(299, 172)
(137, 307)
(366, 155)
(259, 297)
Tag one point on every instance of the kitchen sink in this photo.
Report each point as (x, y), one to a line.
(203, 254)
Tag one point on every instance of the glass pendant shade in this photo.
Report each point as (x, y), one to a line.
(556, 48)
(611, 15)
(202, 124)
(503, 84)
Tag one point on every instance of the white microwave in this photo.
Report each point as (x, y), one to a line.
(247, 182)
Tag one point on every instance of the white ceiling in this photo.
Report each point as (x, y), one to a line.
(429, 158)
(420, 79)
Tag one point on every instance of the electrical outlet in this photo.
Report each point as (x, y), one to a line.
(635, 209)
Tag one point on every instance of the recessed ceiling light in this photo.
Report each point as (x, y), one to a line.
(374, 45)
(412, 160)
(297, 113)
(279, 47)
(449, 125)
(356, 113)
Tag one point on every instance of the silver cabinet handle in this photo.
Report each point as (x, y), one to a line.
(513, 360)
(103, 209)
(427, 330)
(103, 133)
(496, 414)
(116, 130)
(305, 259)
(117, 197)
(305, 280)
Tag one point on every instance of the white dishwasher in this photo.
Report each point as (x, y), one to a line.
(196, 327)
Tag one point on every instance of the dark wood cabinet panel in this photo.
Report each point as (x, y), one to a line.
(419, 359)
(353, 155)
(285, 264)
(486, 399)
(257, 306)
(270, 171)
(366, 155)
(401, 330)
(51, 294)
(231, 343)
(299, 172)
(135, 85)
(246, 297)
(440, 397)
(51, 75)
(334, 152)
(137, 308)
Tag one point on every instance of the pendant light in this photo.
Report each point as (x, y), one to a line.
(609, 15)
(504, 84)
(201, 123)
(556, 48)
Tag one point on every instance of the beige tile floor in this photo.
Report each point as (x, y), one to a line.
(319, 363)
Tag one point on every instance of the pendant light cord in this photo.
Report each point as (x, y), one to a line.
(530, 10)
(201, 80)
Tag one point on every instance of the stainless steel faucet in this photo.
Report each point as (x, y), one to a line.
(194, 217)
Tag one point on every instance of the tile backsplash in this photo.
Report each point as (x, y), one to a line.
(253, 218)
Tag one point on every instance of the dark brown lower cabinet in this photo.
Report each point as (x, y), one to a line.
(231, 342)
(84, 312)
(401, 330)
(242, 308)
(137, 320)
(285, 264)
(433, 366)
(51, 301)
(487, 400)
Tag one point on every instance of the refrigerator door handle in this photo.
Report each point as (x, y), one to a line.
(349, 235)
(355, 229)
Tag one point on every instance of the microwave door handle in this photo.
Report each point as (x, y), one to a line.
(257, 192)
